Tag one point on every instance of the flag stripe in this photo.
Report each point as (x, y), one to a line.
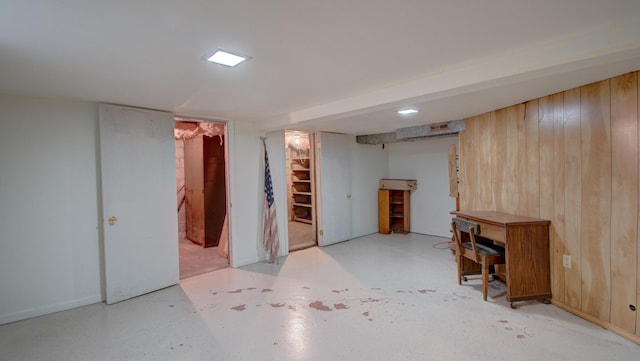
(270, 240)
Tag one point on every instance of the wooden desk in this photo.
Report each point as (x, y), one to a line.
(526, 242)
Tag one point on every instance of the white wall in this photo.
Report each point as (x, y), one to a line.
(49, 241)
(50, 248)
(369, 163)
(427, 161)
(247, 192)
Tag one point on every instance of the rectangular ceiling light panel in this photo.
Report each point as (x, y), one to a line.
(225, 58)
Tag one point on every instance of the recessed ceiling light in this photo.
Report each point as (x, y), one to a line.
(407, 111)
(226, 58)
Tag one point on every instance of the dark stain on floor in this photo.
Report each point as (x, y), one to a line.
(425, 291)
(366, 314)
(318, 305)
(240, 307)
(374, 300)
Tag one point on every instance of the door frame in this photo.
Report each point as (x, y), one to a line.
(313, 175)
(227, 175)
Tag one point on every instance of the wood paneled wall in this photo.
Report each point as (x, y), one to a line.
(572, 158)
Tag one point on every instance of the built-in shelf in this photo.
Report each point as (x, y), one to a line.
(301, 189)
(393, 211)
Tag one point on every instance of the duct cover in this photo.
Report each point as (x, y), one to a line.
(430, 130)
(414, 133)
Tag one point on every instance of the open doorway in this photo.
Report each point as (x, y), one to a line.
(300, 190)
(201, 183)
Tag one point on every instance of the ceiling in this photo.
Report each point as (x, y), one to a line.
(332, 65)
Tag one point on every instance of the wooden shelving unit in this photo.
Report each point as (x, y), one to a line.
(301, 189)
(394, 211)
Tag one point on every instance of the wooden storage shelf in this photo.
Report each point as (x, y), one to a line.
(393, 211)
(302, 200)
(301, 205)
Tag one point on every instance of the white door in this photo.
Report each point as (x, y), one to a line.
(140, 228)
(333, 186)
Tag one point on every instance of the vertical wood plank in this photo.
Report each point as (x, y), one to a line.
(516, 155)
(596, 199)
(637, 304)
(546, 189)
(194, 190)
(573, 197)
(500, 170)
(484, 163)
(452, 165)
(384, 208)
(531, 171)
(465, 158)
(624, 201)
(463, 194)
(558, 221)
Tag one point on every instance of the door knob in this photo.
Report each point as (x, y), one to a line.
(348, 195)
(112, 220)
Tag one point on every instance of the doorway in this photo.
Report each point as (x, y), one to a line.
(301, 204)
(202, 196)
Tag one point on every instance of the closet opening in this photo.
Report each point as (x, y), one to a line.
(202, 196)
(301, 194)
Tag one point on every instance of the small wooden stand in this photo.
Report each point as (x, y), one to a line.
(394, 214)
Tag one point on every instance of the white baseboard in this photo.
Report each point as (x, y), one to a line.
(47, 309)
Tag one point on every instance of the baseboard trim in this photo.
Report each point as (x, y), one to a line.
(48, 309)
(606, 325)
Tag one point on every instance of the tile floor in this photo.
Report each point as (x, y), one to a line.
(380, 297)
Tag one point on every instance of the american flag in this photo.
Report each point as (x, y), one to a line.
(270, 239)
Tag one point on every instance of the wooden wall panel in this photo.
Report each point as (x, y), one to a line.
(573, 158)
(551, 177)
(517, 161)
(531, 169)
(573, 197)
(624, 192)
(194, 190)
(465, 164)
(486, 126)
(557, 228)
(501, 171)
(596, 199)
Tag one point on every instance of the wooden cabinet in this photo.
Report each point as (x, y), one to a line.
(394, 211)
(301, 189)
(205, 196)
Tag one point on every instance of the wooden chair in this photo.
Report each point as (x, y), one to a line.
(466, 246)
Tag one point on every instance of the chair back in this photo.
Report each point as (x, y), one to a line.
(469, 228)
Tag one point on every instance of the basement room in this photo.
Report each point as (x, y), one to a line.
(335, 180)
